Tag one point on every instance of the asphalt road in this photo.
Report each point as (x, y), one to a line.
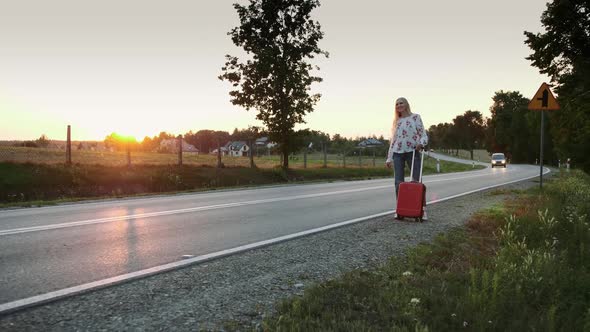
(52, 248)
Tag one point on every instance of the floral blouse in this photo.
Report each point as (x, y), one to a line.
(410, 131)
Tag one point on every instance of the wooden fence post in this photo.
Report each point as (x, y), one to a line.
(218, 154)
(69, 147)
(179, 150)
(251, 154)
(324, 147)
(128, 153)
(360, 158)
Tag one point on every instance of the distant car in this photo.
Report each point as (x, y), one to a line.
(498, 159)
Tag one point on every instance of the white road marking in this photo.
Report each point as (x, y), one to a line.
(179, 211)
(55, 295)
(219, 206)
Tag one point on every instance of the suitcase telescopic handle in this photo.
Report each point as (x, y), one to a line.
(421, 166)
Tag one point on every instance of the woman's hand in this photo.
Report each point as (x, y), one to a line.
(388, 164)
(419, 147)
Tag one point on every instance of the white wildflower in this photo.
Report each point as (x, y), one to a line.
(415, 300)
(407, 274)
(465, 324)
(453, 315)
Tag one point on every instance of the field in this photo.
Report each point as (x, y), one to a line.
(36, 174)
(107, 158)
(478, 155)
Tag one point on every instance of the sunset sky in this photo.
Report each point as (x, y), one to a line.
(138, 67)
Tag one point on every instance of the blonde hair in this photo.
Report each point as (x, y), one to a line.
(396, 117)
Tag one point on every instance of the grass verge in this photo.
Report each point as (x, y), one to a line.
(524, 265)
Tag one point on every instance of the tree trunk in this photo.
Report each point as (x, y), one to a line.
(285, 158)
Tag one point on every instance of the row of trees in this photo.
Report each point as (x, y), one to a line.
(511, 129)
(208, 140)
(562, 51)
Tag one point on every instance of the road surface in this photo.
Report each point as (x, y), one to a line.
(49, 249)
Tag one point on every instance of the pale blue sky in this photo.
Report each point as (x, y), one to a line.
(141, 67)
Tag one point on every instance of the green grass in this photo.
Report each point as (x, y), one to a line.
(514, 267)
(28, 184)
(480, 154)
(108, 158)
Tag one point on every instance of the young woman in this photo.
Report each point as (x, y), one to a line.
(407, 135)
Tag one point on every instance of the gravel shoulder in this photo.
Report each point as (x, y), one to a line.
(244, 288)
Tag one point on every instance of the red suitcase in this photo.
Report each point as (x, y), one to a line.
(412, 195)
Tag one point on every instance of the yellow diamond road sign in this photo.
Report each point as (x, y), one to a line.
(544, 100)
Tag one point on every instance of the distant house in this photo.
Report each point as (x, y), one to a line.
(88, 145)
(370, 143)
(237, 148)
(223, 150)
(264, 142)
(171, 145)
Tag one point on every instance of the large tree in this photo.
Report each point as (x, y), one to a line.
(440, 136)
(468, 130)
(562, 51)
(279, 38)
(507, 106)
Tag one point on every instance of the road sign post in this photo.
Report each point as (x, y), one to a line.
(543, 101)
(541, 148)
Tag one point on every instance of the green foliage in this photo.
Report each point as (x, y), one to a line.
(466, 132)
(512, 129)
(440, 136)
(564, 47)
(563, 52)
(469, 130)
(43, 141)
(279, 37)
(119, 142)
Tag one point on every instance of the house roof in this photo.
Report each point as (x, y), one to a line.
(173, 142)
(370, 142)
(262, 141)
(235, 145)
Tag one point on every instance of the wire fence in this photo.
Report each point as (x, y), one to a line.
(357, 158)
(82, 152)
